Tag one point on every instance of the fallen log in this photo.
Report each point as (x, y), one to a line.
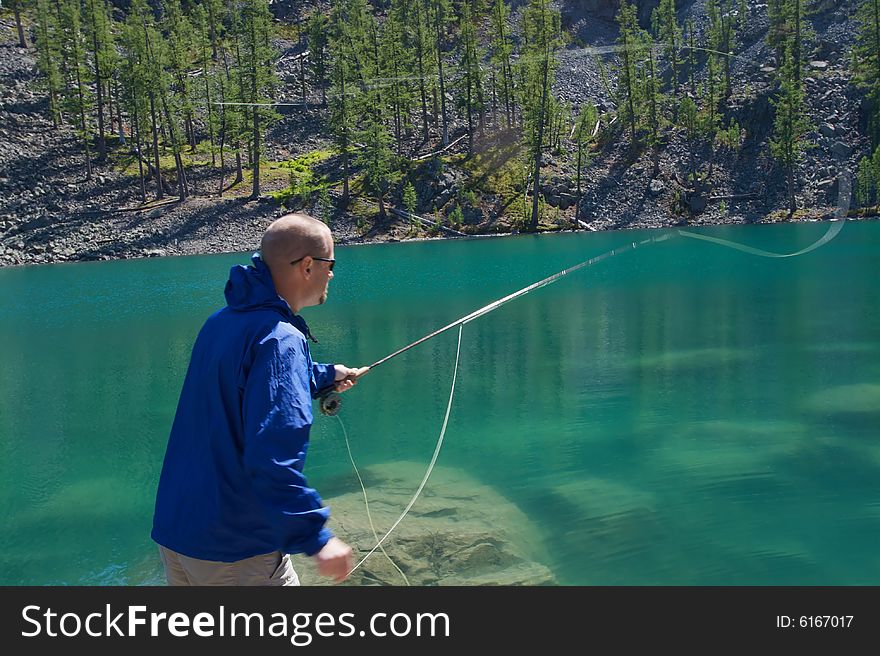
(437, 152)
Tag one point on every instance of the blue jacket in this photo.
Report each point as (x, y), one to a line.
(232, 483)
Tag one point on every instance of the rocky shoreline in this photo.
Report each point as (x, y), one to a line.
(49, 213)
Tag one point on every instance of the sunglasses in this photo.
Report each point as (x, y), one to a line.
(322, 259)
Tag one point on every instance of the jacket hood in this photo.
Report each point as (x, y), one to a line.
(251, 288)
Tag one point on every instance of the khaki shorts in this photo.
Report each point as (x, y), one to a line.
(266, 569)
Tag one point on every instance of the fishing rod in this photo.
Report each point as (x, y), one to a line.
(329, 399)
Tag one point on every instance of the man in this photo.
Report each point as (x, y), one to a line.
(232, 502)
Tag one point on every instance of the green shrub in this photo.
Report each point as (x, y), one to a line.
(303, 181)
(410, 200)
(456, 217)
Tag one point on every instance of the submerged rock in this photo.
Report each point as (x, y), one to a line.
(458, 532)
(858, 398)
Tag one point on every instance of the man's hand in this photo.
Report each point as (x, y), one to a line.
(334, 559)
(346, 377)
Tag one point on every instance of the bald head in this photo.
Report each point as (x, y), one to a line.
(294, 236)
(305, 241)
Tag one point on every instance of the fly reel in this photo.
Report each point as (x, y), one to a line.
(329, 403)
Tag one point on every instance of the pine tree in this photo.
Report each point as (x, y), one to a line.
(440, 18)
(541, 29)
(722, 38)
(688, 119)
(180, 38)
(216, 11)
(232, 115)
(77, 96)
(558, 122)
(866, 62)
(875, 167)
(630, 53)
(98, 21)
(711, 89)
(138, 80)
(317, 30)
(258, 76)
(410, 199)
(866, 183)
(866, 54)
(345, 79)
(157, 56)
(790, 125)
(422, 46)
(158, 52)
(668, 32)
(202, 52)
(653, 99)
(377, 158)
(395, 66)
(48, 43)
(777, 12)
(797, 15)
(472, 98)
(690, 29)
(17, 6)
(134, 83)
(585, 127)
(502, 48)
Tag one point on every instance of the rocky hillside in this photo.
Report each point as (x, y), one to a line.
(50, 213)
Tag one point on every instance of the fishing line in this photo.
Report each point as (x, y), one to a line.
(430, 466)
(843, 201)
(367, 502)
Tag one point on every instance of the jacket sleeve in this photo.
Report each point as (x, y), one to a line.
(277, 419)
(324, 375)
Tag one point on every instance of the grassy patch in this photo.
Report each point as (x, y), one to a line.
(510, 183)
(498, 170)
(288, 31)
(302, 178)
(802, 214)
(364, 213)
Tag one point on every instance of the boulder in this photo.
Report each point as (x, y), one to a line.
(841, 149)
(827, 129)
(444, 197)
(566, 200)
(459, 532)
(697, 203)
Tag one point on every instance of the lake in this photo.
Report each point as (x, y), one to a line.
(676, 414)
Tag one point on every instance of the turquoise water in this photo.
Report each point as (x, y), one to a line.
(677, 414)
